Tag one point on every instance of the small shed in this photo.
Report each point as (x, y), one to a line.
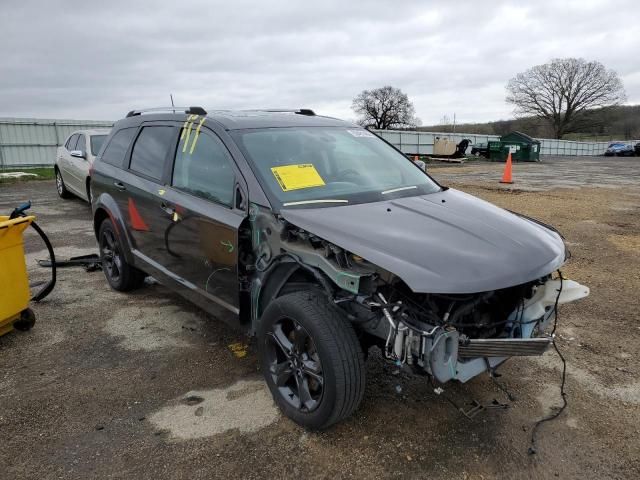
(523, 148)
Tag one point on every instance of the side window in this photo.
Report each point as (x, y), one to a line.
(118, 145)
(203, 167)
(150, 150)
(82, 143)
(96, 142)
(71, 143)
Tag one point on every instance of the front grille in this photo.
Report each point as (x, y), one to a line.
(503, 347)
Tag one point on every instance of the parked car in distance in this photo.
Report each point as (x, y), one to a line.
(323, 240)
(480, 150)
(73, 161)
(637, 149)
(619, 149)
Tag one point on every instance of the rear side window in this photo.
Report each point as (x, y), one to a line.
(96, 143)
(203, 168)
(82, 144)
(118, 145)
(71, 143)
(150, 150)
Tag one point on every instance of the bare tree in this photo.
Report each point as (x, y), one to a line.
(384, 108)
(560, 91)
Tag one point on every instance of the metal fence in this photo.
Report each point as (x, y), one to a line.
(28, 142)
(33, 142)
(421, 143)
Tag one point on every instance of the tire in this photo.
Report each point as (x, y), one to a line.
(60, 187)
(89, 193)
(26, 322)
(321, 380)
(120, 275)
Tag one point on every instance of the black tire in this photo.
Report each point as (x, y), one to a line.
(26, 322)
(89, 193)
(120, 275)
(60, 187)
(325, 361)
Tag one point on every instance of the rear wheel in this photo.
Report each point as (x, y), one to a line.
(62, 190)
(120, 275)
(311, 360)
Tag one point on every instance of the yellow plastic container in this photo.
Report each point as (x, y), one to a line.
(14, 282)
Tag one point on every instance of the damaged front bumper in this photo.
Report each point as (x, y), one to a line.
(446, 354)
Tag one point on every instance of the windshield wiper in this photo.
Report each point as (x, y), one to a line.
(399, 189)
(306, 202)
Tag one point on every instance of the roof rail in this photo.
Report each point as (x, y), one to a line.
(191, 110)
(299, 111)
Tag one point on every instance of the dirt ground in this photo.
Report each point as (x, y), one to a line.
(144, 385)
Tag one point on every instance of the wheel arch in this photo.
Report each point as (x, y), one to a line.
(287, 277)
(107, 208)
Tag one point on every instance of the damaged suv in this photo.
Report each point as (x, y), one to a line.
(323, 240)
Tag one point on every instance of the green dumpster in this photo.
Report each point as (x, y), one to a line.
(523, 148)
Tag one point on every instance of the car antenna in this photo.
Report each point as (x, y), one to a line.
(172, 104)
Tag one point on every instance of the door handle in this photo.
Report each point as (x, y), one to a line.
(168, 209)
(119, 185)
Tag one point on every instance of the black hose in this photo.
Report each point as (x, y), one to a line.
(48, 288)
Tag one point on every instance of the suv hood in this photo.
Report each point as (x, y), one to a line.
(444, 242)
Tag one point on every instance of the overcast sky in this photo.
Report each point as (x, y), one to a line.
(97, 60)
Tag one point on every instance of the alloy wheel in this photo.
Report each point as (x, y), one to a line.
(59, 184)
(294, 365)
(111, 256)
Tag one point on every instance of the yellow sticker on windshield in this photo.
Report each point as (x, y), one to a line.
(294, 177)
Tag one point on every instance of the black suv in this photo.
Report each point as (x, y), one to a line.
(323, 240)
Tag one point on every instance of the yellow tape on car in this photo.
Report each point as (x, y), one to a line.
(196, 135)
(189, 126)
(186, 124)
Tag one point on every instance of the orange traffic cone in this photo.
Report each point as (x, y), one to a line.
(506, 176)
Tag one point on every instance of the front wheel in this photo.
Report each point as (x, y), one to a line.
(311, 360)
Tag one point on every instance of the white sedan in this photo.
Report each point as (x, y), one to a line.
(73, 161)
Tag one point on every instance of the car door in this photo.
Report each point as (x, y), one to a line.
(142, 185)
(78, 167)
(64, 160)
(201, 242)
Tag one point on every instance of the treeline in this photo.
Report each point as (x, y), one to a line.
(603, 124)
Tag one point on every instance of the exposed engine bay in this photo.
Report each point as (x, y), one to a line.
(452, 336)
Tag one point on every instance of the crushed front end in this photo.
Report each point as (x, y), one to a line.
(450, 336)
(456, 337)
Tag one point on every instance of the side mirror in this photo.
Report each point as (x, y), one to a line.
(78, 154)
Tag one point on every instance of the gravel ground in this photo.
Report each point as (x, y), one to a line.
(144, 385)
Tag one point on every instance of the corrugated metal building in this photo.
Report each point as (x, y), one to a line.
(33, 141)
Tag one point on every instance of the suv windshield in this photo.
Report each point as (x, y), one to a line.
(96, 143)
(330, 166)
